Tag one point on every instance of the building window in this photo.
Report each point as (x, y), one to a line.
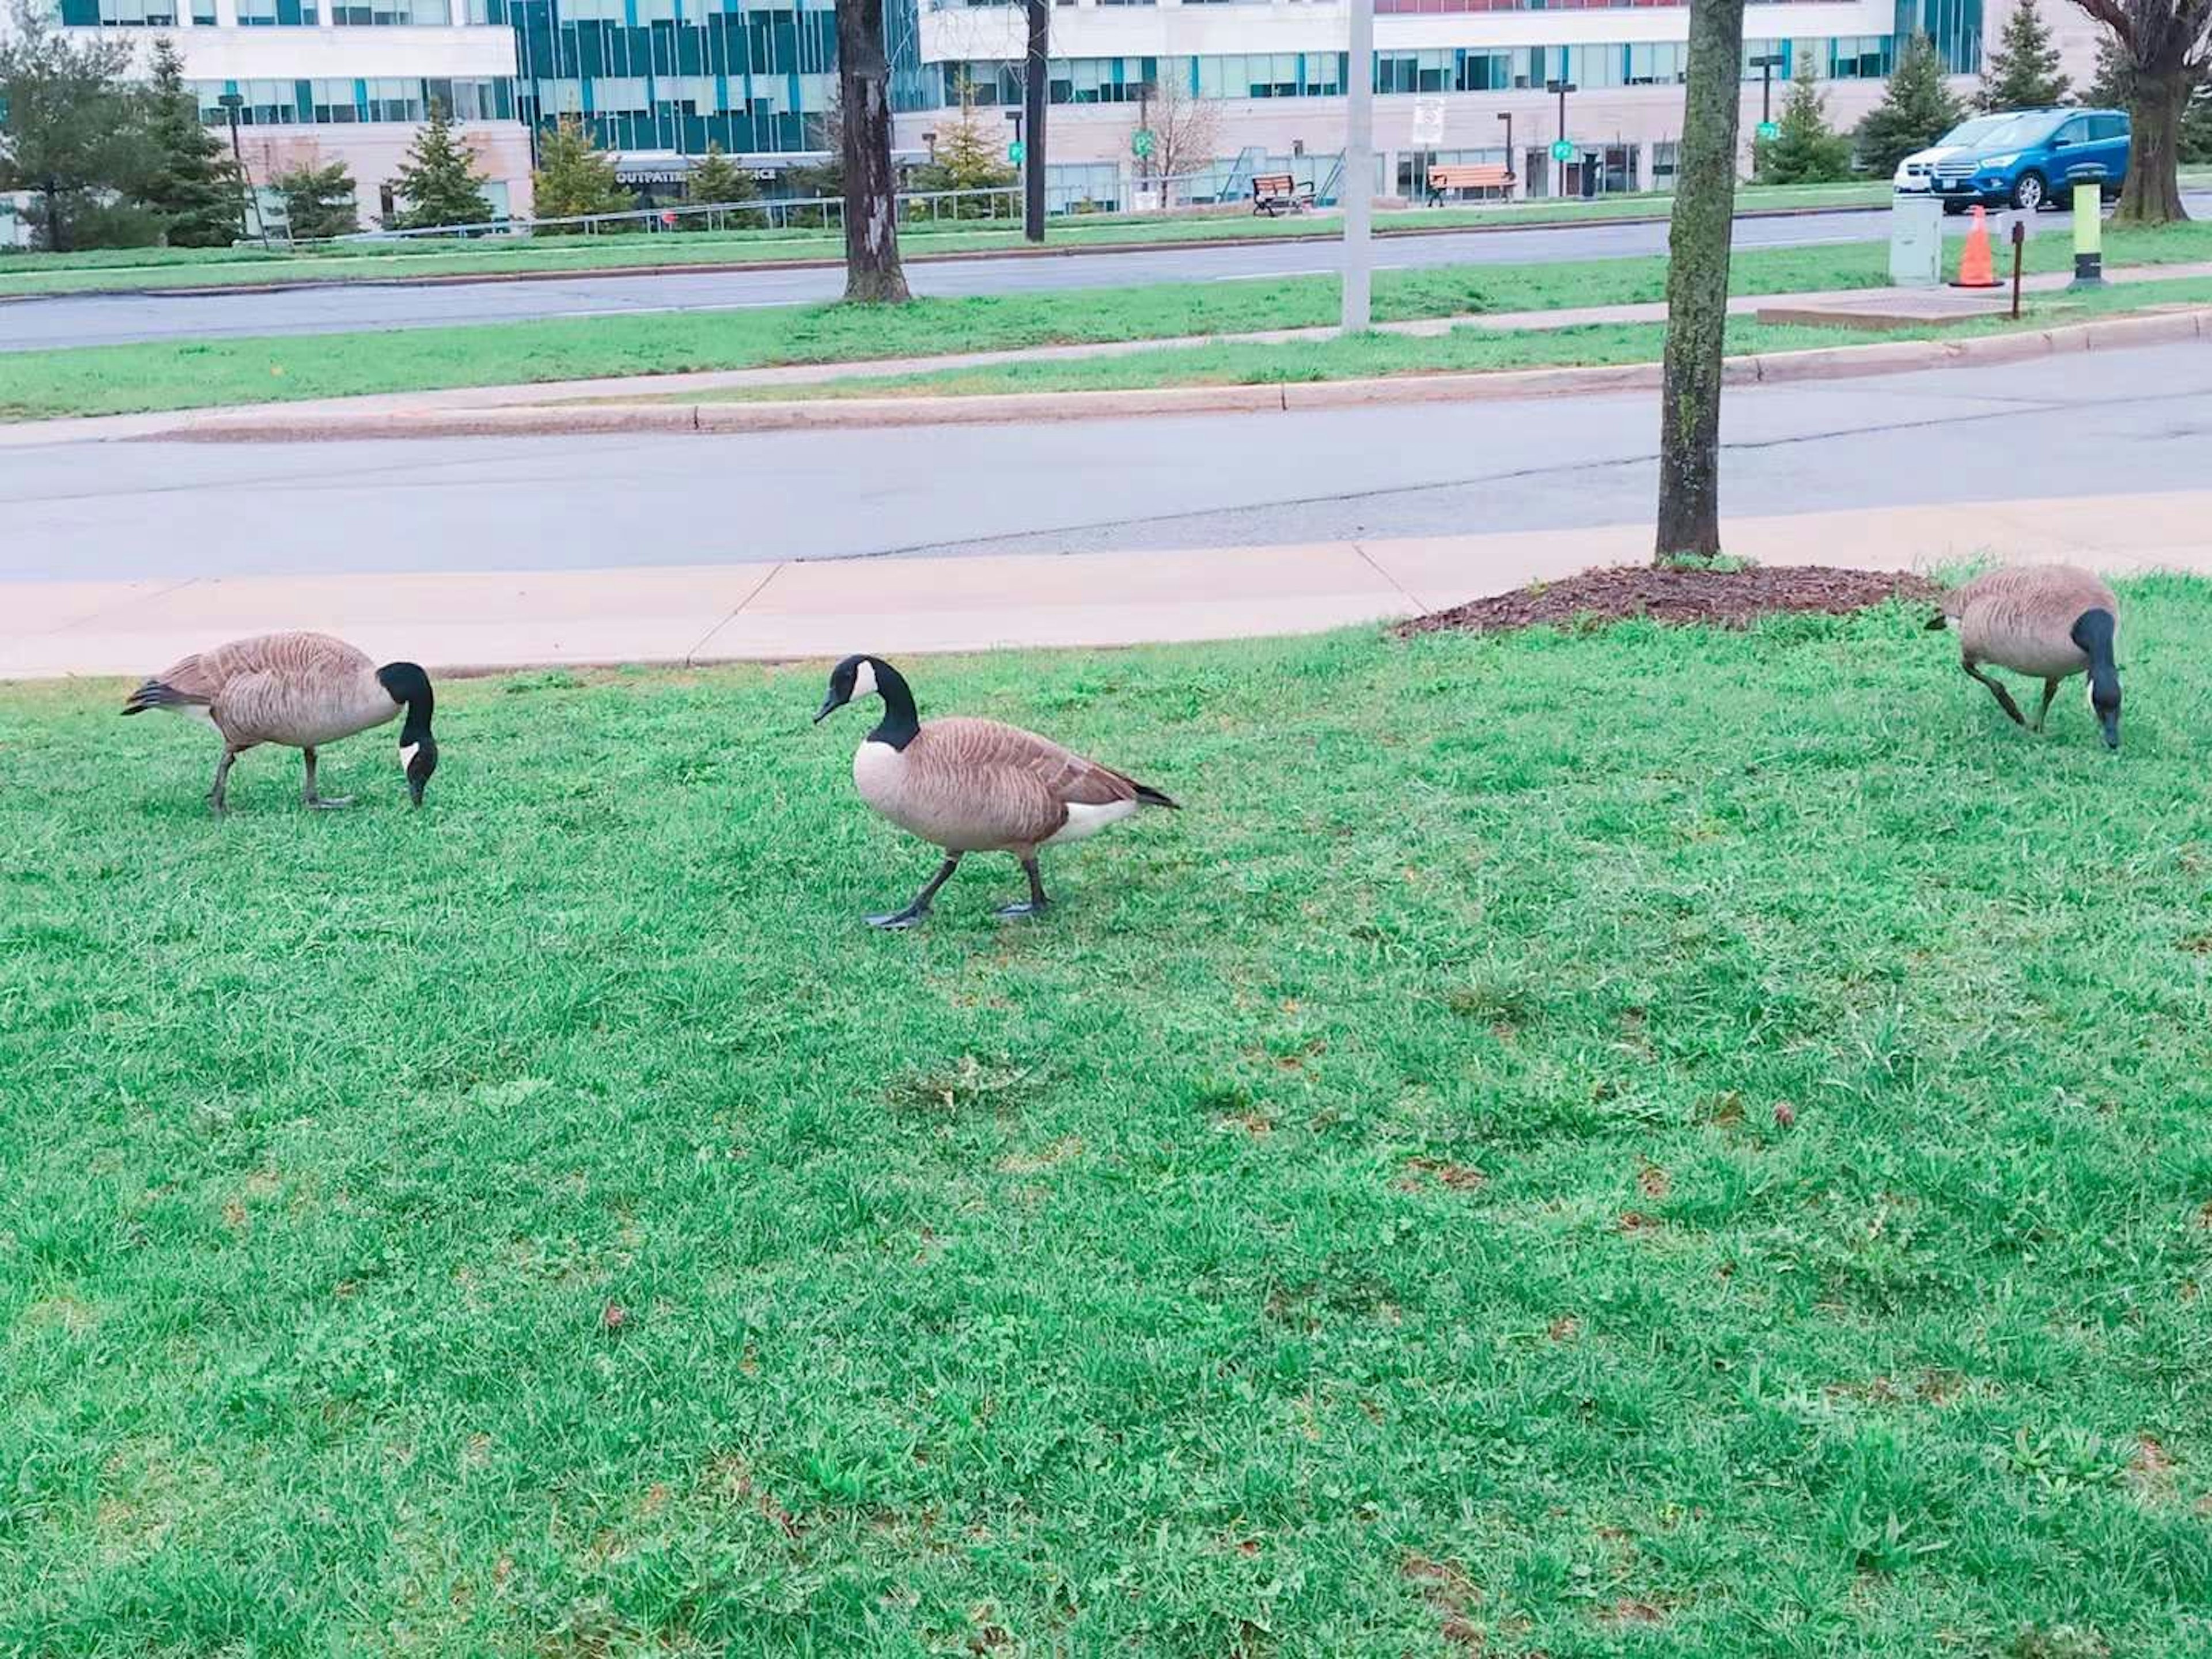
(1665, 162)
(139, 14)
(280, 13)
(390, 14)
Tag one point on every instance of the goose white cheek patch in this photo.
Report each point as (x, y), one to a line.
(407, 756)
(864, 680)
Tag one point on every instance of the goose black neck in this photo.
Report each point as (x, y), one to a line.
(409, 686)
(899, 726)
(2093, 632)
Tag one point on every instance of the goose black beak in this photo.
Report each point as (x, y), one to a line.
(2111, 724)
(830, 705)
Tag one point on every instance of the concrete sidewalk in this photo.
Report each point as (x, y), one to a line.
(463, 622)
(675, 387)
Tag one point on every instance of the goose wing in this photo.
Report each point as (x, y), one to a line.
(1023, 783)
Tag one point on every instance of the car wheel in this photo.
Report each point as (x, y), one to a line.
(1954, 209)
(2029, 193)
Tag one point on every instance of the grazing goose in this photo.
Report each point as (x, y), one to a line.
(973, 786)
(2050, 620)
(299, 690)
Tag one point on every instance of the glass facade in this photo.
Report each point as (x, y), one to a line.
(347, 102)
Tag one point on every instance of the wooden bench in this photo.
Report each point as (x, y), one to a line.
(1445, 179)
(1276, 193)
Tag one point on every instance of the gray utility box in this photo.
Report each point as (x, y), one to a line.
(1916, 239)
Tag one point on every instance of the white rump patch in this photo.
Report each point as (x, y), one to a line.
(864, 680)
(1086, 821)
(407, 756)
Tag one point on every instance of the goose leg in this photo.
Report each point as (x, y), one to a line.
(219, 796)
(1997, 689)
(308, 794)
(1037, 901)
(2050, 690)
(915, 911)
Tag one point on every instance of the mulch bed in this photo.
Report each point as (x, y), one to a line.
(1724, 598)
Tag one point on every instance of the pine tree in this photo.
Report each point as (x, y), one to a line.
(2114, 87)
(1807, 150)
(319, 202)
(74, 132)
(2023, 72)
(2196, 128)
(574, 177)
(193, 187)
(439, 180)
(717, 181)
(1917, 109)
(966, 160)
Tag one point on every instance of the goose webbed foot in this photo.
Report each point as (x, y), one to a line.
(323, 803)
(899, 920)
(1037, 903)
(312, 796)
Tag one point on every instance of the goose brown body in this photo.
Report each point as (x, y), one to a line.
(2023, 618)
(976, 786)
(298, 689)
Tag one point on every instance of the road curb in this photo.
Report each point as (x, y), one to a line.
(1820, 364)
(441, 279)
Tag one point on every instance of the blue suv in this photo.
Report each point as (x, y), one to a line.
(2025, 163)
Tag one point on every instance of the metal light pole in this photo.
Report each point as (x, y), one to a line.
(232, 102)
(1358, 180)
(1506, 116)
(1034, 99)
(1563, 88)
(1767, 66)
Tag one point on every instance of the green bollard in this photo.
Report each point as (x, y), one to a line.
(2088, 234)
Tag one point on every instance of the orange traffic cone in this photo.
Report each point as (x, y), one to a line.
(1976, 267)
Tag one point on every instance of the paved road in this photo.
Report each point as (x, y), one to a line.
(2124, 422)
(109, 320)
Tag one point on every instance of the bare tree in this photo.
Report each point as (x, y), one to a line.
(1185, 129)
(2166, 46)
(873, 272)
(1698, 282)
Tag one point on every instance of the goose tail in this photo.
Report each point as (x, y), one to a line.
(1148, 796)
(159, 694)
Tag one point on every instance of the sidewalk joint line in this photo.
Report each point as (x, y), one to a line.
(752, 593)
(1411, 597)
(99, 610)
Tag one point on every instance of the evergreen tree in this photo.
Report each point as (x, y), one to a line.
(439, 180)
(191, 185)
(1917, 109)
(2114, 87)
(966, 160)
(319, 202)
(1807, 150)
(714, 182)
(574, 177)
(2196, 129)
(74, 129)
(2023, 72)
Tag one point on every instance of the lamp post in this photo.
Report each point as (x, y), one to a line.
(1560, 145)
(1766, 65)
(232, 103)
(1506, 116)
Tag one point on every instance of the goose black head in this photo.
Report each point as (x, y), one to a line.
(2093, 633)
(409, 686)
(872, 676)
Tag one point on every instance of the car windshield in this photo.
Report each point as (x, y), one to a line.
(2019, 131)
(1973, 131)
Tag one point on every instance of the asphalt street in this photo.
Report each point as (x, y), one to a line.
(2111, 422)
(110, 319)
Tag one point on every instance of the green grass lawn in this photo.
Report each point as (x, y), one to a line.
(1465, 349)
(129, 269)
(209, 373)
(1359, 1221)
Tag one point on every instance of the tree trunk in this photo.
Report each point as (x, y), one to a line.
(2152, 195)
(1036, 89)
(872, 273)
(1697, 284)
(57, 222)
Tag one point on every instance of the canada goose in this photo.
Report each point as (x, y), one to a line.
(2050, 620)
(974, 785)
(302, 690)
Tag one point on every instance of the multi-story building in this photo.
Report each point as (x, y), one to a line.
(1264, 82)
(347, 81)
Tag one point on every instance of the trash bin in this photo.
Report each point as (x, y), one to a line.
(1916, 239)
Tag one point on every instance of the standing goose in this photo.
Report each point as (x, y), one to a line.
(2050, 620)
(974, 785)
(302, 690)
